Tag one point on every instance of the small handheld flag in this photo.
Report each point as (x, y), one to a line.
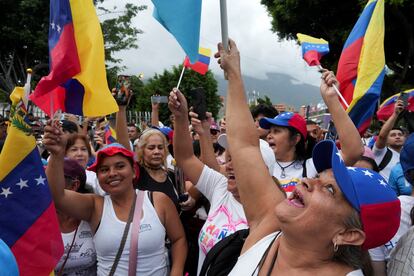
(203, 61)
(313, 48)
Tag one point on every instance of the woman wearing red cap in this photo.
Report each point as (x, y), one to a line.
(109, 216)
(326, 223)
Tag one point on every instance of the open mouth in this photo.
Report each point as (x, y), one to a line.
(114, 182)
(296, 199)
(231, 176)
(272, 145)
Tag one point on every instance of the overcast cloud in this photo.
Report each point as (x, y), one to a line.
(249, 26)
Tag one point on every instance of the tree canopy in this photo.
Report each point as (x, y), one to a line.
(163, 83)
(24, 26)
(334, 20)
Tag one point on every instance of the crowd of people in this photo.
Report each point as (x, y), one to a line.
(257, 193)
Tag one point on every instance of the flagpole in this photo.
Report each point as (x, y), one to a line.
(224, 28)
(336, 89)
(181, 77)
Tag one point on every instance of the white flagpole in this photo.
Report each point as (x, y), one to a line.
(337, 90)
(181, 77)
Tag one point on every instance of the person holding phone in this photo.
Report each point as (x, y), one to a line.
(389, 142)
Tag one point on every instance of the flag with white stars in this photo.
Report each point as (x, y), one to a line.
(77, 81)
(313, 49)
(28, 222)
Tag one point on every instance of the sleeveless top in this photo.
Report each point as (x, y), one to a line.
(151, 242)
(82, 257)
(147, 183)
(249, 260)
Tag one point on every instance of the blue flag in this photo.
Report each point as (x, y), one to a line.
(182, 19)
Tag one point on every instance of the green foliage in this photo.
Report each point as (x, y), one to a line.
(265, 101)
(24, 26)
(334, 20)
(163, 84)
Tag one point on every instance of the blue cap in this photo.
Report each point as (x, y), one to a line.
(407, 154)
(366, 191)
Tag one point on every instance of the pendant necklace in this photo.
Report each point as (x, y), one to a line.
(282, 173)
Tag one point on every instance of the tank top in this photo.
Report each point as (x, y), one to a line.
(152, 257)
(249, 260)
(82, 257)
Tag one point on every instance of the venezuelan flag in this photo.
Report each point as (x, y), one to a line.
(313, 48)
(361, 67)
(110, 134)
(77, 81)
(203, 61)
(387, 107)
(28, 222)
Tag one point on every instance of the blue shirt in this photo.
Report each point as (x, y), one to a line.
(398, 182)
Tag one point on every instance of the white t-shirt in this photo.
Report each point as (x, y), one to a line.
(293, 173)
(249, 260)
(379, 155)
(82, 256)
(226, 214)
(382, 253)
(92, 183)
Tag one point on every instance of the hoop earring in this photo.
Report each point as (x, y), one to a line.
(336, 247)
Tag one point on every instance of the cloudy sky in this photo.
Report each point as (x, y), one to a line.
(248, 24)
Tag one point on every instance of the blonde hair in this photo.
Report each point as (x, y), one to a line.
(143, 141)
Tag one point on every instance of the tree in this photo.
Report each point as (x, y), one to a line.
(163, 84)
(24, 26)
(265, 101)
(333, 21)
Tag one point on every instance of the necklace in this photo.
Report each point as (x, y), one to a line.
(283, 174)
(153, 168)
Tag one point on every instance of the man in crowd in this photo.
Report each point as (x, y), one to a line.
(388, 145)
(260, 111)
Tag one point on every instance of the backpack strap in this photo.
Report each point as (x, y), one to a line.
(385, 160)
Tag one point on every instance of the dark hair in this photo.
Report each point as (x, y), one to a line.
(371, 162)
(300, 148)
(69, 126)
(134, 125)
(74, 137)
(264, 109)
(218, 149)
(398, 128)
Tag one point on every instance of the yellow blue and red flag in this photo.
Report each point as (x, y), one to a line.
(77, 80)
(110, 134)
(203, 61)
(182, 19)
(361, 67)
(387, 107)
(313, 49)
(28, 222)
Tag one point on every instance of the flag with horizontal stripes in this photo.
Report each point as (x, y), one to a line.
(387, 107)
(28, 222)
(77, 81)
(313, 49)
(361, 67)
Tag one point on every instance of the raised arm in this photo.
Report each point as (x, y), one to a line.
(183, 145)
(155, 111)
(80, 206)
(389, 124)
(256, 187)
(351, 144)
(202, 128)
